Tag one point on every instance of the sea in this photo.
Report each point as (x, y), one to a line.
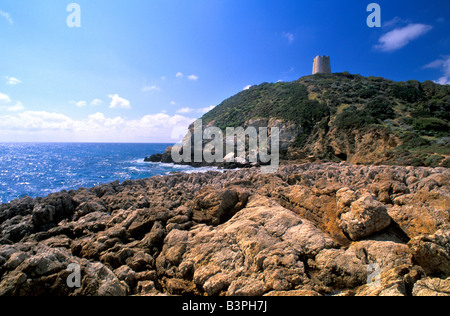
(39, 169)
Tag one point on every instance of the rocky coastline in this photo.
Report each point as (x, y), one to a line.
(308, 230)
(166, 157)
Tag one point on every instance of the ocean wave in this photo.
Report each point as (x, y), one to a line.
(39, 169)
(138, 170)
(187, 168)
(137, 161)
(205, 169)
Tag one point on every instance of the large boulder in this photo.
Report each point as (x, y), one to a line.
(432, 252)
(154, 158)
(214, 207)
(52, 209)
(16, 228)
(140, 222)
(363, 217)
(45, 271)
(260, 249)
(19, 207)
(397, 281)
(432, 287)
(343, 269)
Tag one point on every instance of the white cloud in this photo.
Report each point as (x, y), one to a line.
(12, 80)
(443, 80)
(199, 111)
(173, 102)
(151, 88)
(185, 110)
(6, 16)
(247, 87)
(444, 65)
(172, 127)
(289, 36)
(98, 121)
(41, 126)
(157, 120)
(206, 110)
(4, 98)
(400, 37)
(36, 120)
(118, 102)
(438, 63)
(193, 77)
(80, 104)
(395, 21)
(5, 105)
(13, 108)
(96, 102)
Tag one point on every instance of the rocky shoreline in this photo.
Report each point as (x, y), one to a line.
(307, 230)
(166, 157)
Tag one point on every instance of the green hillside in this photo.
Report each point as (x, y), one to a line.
(331, 108)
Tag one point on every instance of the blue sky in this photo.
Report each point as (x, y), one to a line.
(141, 71)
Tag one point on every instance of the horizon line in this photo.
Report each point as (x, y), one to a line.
(62, 142)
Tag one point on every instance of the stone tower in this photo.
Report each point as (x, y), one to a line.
(322, 65)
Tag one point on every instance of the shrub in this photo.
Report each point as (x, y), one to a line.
(352, 118)
(380, 108)
(446, 163)
(433, 160)
(412, 140)
(367, 93)
(410, 161)
(407, 93)
(431, 124)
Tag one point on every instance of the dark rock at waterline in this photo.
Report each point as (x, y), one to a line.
(154, 158)
(166, 157)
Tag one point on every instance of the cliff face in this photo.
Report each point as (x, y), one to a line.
(311, 229)
(344, 117)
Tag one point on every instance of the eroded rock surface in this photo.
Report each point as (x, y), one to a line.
(311, 229)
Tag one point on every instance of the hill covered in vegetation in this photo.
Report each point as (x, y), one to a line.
(346, 117)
